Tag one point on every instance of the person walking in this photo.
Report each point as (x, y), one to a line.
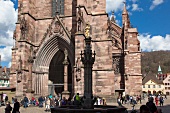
(119, 100)
(8, 108)
(47, 104)
(16, 106)
(161, 101)
(6, 99)
(156, 100)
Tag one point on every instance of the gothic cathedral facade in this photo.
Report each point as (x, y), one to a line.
(48, 42)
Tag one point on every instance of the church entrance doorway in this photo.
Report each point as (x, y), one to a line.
(56, 74)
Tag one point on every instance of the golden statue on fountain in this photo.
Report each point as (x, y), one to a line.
(87, 30)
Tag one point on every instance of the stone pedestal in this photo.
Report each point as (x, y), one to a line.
(65, 93)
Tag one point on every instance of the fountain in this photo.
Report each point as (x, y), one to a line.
(88, 58)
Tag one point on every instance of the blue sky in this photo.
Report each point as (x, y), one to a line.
(150, 17)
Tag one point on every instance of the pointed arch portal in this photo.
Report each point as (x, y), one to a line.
(49, 60)
(56, 72)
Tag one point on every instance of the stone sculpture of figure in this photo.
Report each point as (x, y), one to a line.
(79, 24)
(79, 18)
(19, 70)
(66, 54)
(23, 28)
(57, 27)
(87, 30)
(78, 70)
(20, 64)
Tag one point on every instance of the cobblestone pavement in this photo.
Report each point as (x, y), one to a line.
(165, 108)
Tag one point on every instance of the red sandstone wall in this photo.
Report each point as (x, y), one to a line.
(103, 75)
(133, 71)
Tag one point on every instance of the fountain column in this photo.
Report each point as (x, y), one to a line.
(88, 62)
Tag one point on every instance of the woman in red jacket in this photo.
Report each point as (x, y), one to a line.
(156, 100)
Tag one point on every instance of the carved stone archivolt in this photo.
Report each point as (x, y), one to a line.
(57, 27)
(116, 64)
(24, 28)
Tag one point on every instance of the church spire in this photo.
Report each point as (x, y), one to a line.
(125, 17)
(159, 70)
(124, 9)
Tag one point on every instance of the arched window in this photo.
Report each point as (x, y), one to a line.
(57, 6)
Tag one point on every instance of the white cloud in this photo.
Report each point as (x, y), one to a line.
(9, 65)
(149, 43)
(6, 53)
(135, 7)
(114, 5)
(155, 3)
(8, 18)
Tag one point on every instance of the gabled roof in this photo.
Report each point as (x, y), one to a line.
(151, 77)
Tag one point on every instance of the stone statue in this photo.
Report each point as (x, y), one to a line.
(19, 64)
(87, 30)
(24, 28)
(19, 70)
(66, 54)
(57, 28)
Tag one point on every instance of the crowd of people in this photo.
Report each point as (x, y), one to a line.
(51, 101)
(48, 102)
(150, 107)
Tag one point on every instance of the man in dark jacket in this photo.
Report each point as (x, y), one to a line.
(8, 108)
(16, 106)
(151, 105)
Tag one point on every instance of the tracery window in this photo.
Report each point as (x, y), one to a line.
(57, 6)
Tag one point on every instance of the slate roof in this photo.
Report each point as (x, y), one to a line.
(151, 77)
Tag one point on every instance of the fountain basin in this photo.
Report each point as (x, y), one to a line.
(97, 109)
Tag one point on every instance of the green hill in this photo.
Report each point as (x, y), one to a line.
(151, 60)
